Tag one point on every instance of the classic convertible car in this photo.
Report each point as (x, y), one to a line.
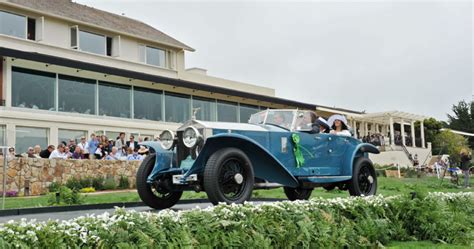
(277, 148)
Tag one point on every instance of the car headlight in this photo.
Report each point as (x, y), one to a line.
(191, 136)
(167, 139)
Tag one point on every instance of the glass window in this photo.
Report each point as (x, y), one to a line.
(246, 111)
(114, 100)
(207, 109)
(156, 56)
(113, 135)
(33, 89)
(11, 24)
(177, 108)
(91, 42)
(76, 95)
(29, 137)
(226, 111)
(2, 135)
(66, 135)
(147, 103)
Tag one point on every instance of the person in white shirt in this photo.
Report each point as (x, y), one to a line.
(113, 154)
(84, 145)
(59, 153)
(339, 125)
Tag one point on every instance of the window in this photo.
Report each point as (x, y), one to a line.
(246, 111)
(153, 56)
(2, 135)
(33, 89)
(207, 109)
(147, 103)
(66, 135)
(177, 107)
(226, 112)
(13, 25)
(29, 137)
(114, 100)
(76, 95)
(92, 43)
(113, 135)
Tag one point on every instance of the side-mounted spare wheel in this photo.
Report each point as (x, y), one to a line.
(152, 194)
(364, 179)
(228, 176)
(297, 193)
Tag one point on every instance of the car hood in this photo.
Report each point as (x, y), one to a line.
(222, 125)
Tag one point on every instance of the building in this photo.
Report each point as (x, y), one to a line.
(69, 70)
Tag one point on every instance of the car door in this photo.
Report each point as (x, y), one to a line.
(315, 152)
(336, 150)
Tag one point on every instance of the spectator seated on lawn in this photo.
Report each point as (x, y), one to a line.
(113, 155)
(77, 153)
(134, 155)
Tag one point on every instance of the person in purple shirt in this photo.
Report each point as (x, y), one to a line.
(77, 153)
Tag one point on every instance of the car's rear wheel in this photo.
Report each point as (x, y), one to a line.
(297, 193)
(364, 179)
(154, 195)
(228, 177)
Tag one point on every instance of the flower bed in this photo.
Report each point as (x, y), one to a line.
(332, 223)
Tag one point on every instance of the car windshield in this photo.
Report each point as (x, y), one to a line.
(282, 118)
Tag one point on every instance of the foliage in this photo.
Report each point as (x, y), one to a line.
(98, 183)
(123, 183)
(9, 193)
(74, 184)
(319, 223)
(450, 143)
(87, 190)
(54, 187)
(67, 196)
(110, 184)
(86, 182)
(463, 118)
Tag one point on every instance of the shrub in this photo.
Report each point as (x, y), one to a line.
(67, 196)
(10, 193)
(54, 187)
(109, 183)
(88, 190)
(319, 223)
(86, 182)
(74, 184)
(123, 182)
(98, 183)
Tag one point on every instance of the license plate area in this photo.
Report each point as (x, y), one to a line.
(179, 179)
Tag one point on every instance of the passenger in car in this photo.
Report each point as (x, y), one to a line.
(322, 125)
(339, 125)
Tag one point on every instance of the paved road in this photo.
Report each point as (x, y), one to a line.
(74, 214)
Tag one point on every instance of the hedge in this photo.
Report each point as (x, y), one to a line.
(326, 223)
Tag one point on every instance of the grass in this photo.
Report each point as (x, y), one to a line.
(422, 244)
(387, 187)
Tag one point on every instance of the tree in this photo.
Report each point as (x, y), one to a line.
(432, 128)
(463, 119)
(447, 142)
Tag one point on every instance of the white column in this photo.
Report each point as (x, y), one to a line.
(10, 135)
(392, 131)
(413, 133)
(354, 127)
(402, 130)
(7, 82)
(366, 129)
(422, 131)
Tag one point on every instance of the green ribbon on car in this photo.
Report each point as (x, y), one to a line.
(297, 150)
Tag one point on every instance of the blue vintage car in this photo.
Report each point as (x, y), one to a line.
(277, 148)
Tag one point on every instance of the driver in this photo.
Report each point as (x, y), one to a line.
(279, 119)
(323, 125)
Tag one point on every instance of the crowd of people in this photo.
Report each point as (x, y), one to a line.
(376, 139)
(97, 147)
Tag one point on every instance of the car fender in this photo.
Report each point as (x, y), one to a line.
(360, 150)
(265, 165)
(165, 159)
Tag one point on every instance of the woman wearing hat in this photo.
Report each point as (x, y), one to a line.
(338, 124)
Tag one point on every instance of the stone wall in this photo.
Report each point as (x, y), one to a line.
(30, 176)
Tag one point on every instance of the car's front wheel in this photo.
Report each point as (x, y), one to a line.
(228, 177)
(364, 179)
(153, 194)
(297, 193)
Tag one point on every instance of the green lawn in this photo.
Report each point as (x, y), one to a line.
(387, 187)
(422, 244)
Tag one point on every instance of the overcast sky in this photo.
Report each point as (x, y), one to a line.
(375, 56)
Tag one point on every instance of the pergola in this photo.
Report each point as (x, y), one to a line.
(382, 122)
